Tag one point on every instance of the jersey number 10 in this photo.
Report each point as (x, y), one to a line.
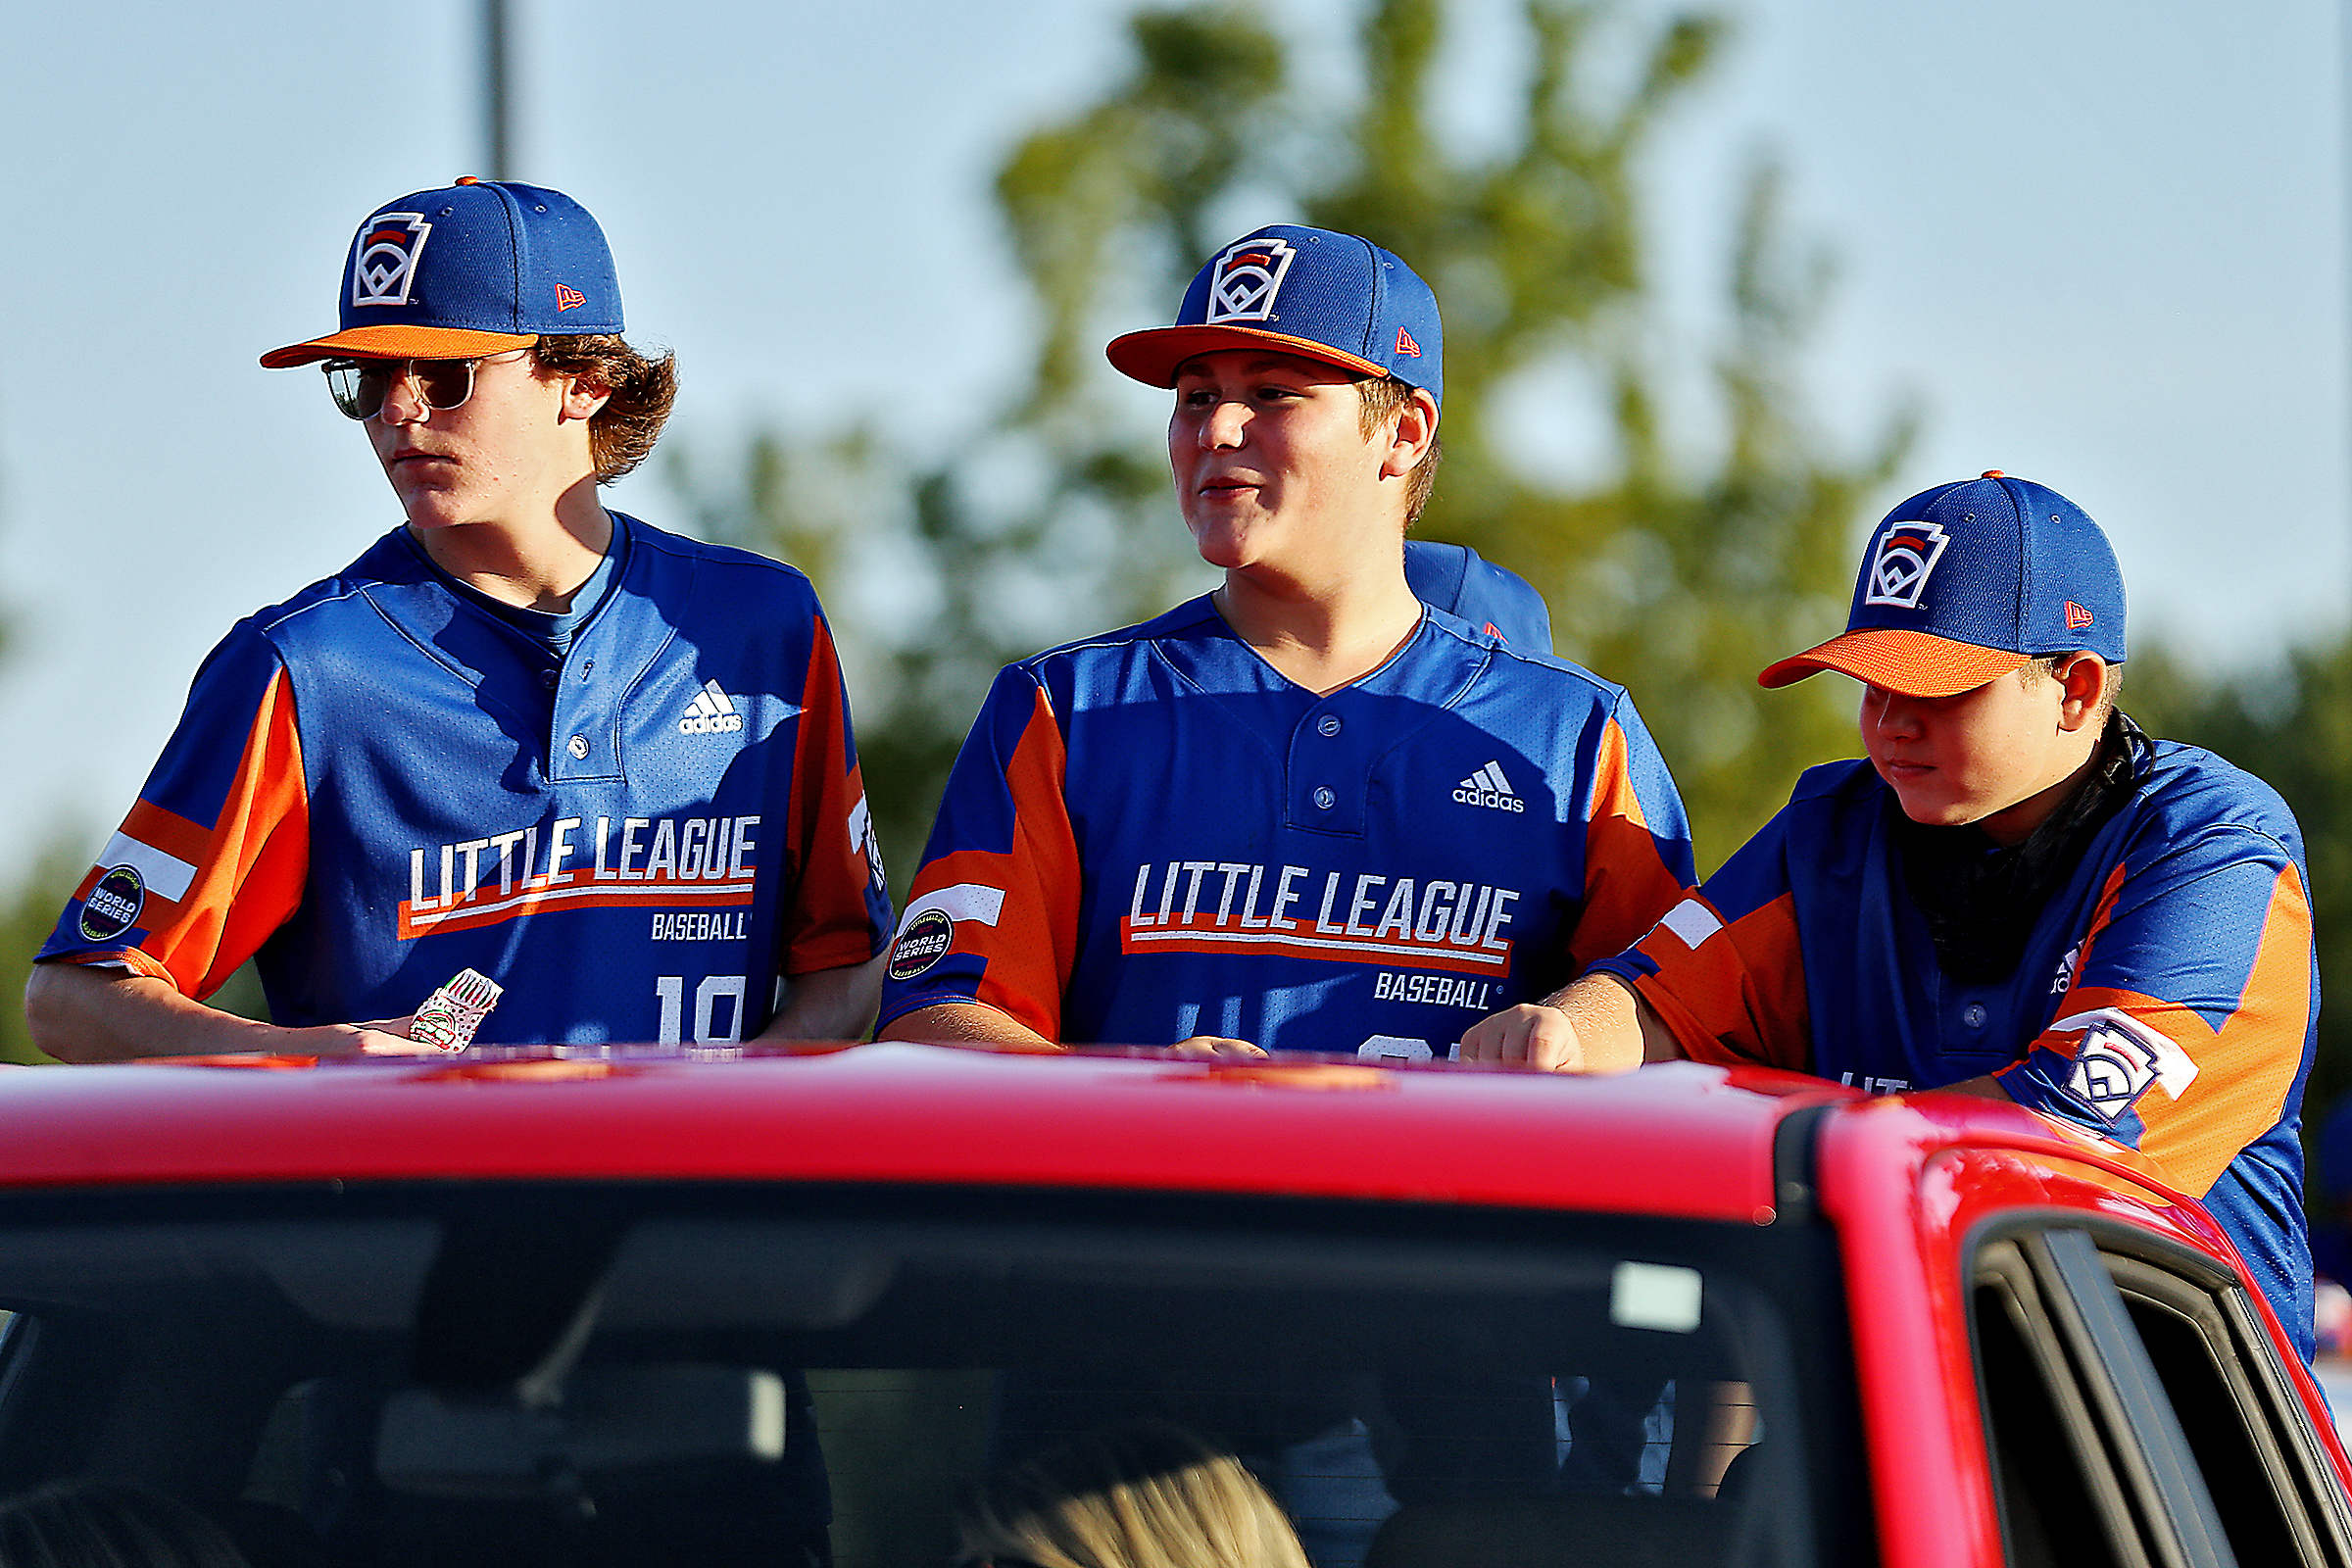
(670, 988)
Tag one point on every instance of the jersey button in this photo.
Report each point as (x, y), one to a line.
(1324, 797)
(1328, 724)
(1973, 1016)
(547, 679)
(579, 747)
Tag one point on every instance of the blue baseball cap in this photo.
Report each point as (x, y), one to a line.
(1966, 582)
(1311, 292)
(476, 267)
(1458, 581)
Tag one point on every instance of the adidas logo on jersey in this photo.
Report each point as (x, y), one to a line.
(710, 713)
(1488, 788)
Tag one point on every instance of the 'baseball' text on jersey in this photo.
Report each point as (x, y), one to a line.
(618, 862)
(1235, 906)
(728, 925)
(1435, 989)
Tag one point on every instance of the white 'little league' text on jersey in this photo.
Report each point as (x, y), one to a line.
(382, 782)
(1152, 834)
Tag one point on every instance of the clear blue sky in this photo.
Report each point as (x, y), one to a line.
(2101, 242)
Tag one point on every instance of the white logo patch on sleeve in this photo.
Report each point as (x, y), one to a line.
(1691, 923)
(2120, 1058)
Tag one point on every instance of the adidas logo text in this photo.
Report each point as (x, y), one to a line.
(1488, 788)
(710, 713)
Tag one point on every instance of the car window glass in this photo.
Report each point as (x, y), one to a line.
(583, 1376)
(2060, 1502)
(2234, 1413)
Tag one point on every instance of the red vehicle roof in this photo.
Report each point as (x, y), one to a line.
(1687, 1140)
(1684, 1140)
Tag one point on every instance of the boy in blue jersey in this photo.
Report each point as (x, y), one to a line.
(608, 768)
(2018, 894)
(1306, 811)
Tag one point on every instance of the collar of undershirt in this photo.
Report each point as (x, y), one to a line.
(1980, 898)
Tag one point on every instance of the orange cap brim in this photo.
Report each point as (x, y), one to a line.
(1153, 355)
(398, 343)
(1911, 663)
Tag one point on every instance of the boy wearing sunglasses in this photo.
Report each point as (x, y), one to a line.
(608, 770)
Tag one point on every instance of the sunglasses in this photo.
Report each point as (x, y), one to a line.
(360, 386)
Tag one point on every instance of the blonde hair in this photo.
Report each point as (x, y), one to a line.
(1381, 398)
(1137, 1494)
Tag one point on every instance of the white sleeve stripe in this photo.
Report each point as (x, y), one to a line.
(1692, 921)
(965, 901)
(168, 875)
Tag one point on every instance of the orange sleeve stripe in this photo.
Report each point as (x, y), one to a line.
(1627, 884)
(1739, 994)
(2102, 915)
(167, 831)
(1040, 931)
(827, 925)
(1612, 784)
(2245, 1069)
(130, 958)
(1032, 948)
(250, 868)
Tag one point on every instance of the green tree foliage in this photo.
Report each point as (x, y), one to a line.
(1687, 565)
(27, 911)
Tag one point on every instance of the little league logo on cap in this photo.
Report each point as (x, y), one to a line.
(472, 269)
(1966, 582)
(1907, 553)
(1245, 281)
(384, 261)
(1314, 292)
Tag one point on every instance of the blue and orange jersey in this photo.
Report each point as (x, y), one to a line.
(1154, 834)
(2168, 996)
(381, 782)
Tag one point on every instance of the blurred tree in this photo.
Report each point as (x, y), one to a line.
(26, 913)
(1686, 561)
(28, 907)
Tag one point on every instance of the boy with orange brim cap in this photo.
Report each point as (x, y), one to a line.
(2016, 892)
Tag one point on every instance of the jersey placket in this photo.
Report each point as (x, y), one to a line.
(1326, 771)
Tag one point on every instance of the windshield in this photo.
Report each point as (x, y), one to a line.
(745, 1375)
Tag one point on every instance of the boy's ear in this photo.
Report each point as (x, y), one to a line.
(1409, 438)
(2083, 679)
